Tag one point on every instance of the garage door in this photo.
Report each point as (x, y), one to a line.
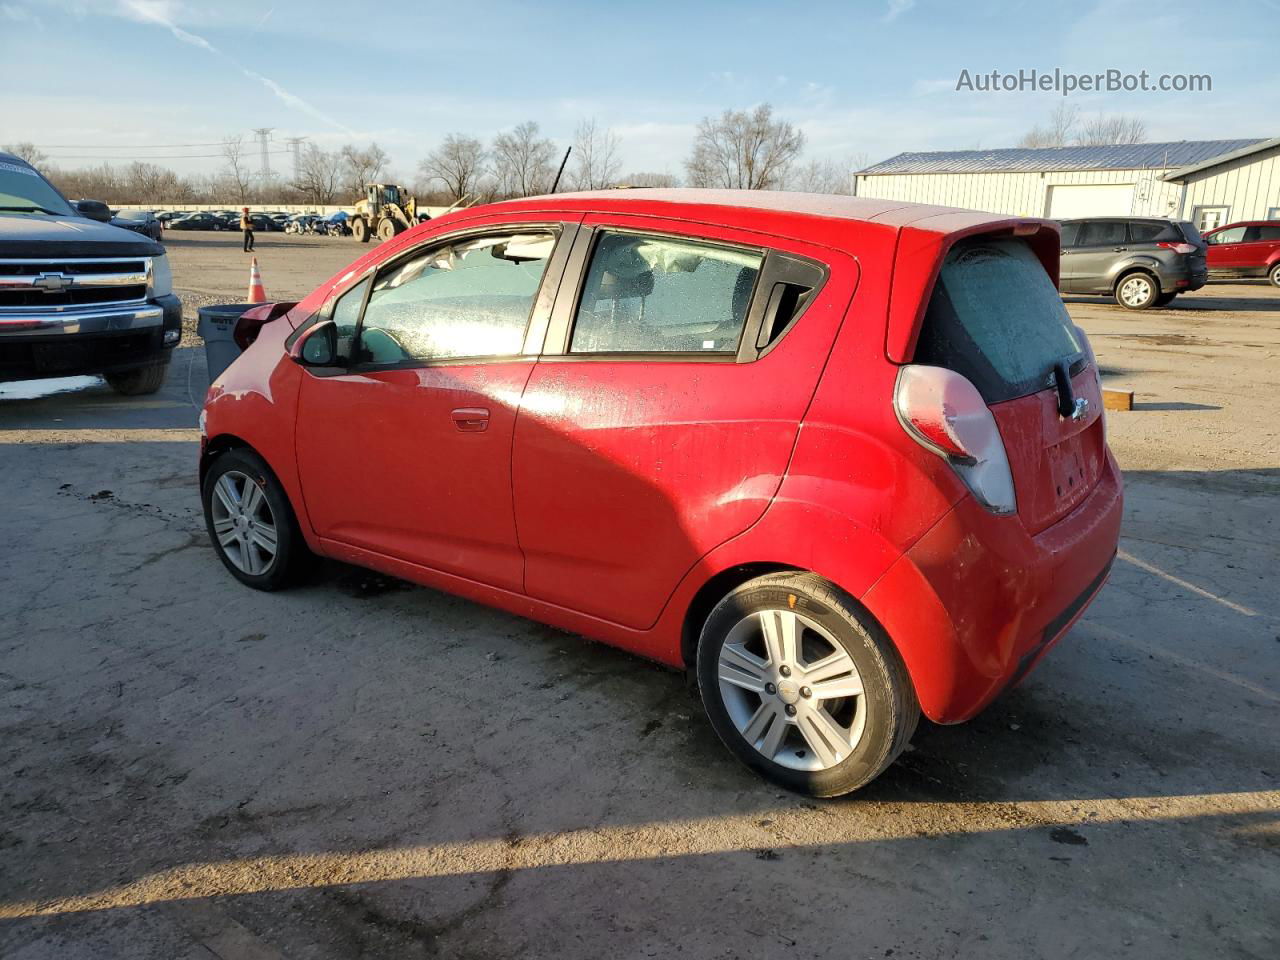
(1089, 200)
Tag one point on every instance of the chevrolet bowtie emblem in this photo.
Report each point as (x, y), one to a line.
(52, 282)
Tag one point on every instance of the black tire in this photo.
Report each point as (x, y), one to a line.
(1142, 281)
(139, 381)
(888, 698)
(292, 558)
(387, 229)
(360, 229)
(1165, 299)
(1274, 275)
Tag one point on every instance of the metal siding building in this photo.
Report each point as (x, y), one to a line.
(1208, 181)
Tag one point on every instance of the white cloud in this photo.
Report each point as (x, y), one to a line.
(896, 9)
(16, 13)
(162, 14)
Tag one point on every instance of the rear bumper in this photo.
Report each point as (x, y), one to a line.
(1182, 277)
(977, 602)
(88, 341)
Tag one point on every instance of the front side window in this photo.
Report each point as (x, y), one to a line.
(657, 295)
(346, 318)
(471, 298)
(1230, 235)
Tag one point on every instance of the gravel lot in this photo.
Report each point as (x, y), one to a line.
(362, 768)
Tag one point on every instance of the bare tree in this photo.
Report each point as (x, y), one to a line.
(826, 176)
(745, 151)
(1115, 129)
(238, 174)
(522, 161)
(1058, 132)
(459, 163)
(27, 151)
(319, 175)
(595, 157)
(648, 179)
(360, 167)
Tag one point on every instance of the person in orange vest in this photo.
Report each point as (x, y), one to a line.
(247, 226)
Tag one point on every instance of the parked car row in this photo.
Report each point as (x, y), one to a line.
(1147, 261)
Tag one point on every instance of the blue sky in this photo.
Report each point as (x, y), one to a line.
(860, 78)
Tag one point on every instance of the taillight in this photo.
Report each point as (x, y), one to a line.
(945, 413)
(1178, 247)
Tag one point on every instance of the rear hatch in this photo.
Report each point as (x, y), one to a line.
(1197, 262)
(996, 318)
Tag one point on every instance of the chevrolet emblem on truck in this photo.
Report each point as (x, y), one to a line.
(52, 282)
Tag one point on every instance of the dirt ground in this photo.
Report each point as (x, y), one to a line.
(360, 768)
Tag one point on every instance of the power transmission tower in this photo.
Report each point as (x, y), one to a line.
(295, 147)
(264, 139)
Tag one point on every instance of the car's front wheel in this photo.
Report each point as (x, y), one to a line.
(139, 381)
(802, 687)
(250, 521)
(1137, 291)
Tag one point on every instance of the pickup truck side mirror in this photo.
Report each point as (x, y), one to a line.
(318, 346)
(94, 210)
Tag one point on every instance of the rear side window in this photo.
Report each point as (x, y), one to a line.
(658, 295)
(1069, 232)
(996, 318)
(1150, 231)
(1097, 233)
(1269, 233)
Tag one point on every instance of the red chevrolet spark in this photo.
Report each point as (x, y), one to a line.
(843, 458)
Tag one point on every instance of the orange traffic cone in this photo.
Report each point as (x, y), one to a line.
(256, 293)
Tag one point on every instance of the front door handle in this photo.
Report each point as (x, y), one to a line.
(471, 419)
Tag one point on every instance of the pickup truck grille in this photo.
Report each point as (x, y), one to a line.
(53, 284)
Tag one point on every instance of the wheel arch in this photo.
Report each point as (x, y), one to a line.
(715, 589)
(1129, 269)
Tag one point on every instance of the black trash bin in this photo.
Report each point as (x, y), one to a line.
(217, 327)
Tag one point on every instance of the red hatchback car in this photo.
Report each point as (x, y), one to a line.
(842, 457)
(1247, 249)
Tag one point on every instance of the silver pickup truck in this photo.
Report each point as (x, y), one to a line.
(78, 296)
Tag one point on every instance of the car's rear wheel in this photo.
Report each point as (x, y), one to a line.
(1165, 299)
(250, 521)
(802, 686)
(1274, 275)
(1137, 291)
(138, 381)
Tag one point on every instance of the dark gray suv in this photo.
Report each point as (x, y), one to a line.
(1141, 261)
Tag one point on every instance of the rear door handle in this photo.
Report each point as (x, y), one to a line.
(471, 419)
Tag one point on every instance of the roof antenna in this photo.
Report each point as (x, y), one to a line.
(560, 172)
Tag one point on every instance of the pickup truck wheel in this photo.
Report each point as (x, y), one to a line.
(250, 521)
(1137, 290)
(1274, 275)
(802, 686)
(139, 381)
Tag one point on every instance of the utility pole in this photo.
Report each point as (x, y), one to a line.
(264, 139)
(295, 147)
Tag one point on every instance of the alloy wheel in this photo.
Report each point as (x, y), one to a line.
(243, 523)
(1135, 291)
(791, 690)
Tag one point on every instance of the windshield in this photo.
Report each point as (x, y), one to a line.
(134, 215)
(22, 190)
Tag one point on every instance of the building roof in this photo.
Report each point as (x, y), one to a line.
(1127, 156)
(1256, 146)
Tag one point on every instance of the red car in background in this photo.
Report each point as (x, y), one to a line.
(1250, 248)
(842, 458)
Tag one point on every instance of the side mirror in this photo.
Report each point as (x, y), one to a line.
(318, 346)
(94, 210)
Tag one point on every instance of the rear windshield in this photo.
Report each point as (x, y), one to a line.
(1190, 232)
(996, 318)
